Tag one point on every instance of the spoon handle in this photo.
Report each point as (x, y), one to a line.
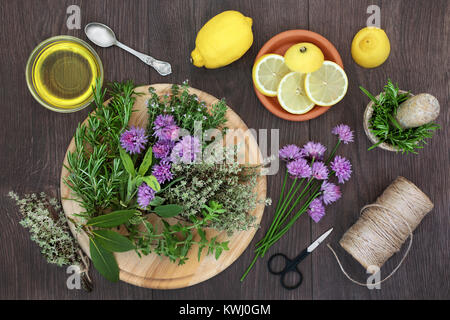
(162, 67)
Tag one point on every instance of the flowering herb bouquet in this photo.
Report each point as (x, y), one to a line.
(123, 175)
(307, 167)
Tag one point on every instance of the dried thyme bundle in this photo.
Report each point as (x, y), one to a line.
(47, 224)
(228, 183)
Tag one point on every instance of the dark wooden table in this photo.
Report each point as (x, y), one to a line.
(34, 140)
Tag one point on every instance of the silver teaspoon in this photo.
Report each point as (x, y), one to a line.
(103, 36)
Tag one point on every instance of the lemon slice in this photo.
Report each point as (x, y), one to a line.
(326, 86)
(268, 72)
(292, 96)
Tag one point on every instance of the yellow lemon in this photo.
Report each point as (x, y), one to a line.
(222, 40)
(267, 73)
(291, 94)
(326, 86)
(370, 47)
(304, 57)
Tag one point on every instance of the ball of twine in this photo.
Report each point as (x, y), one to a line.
(384, 226)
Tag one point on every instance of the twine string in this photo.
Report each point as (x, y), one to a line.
(395, 269)
(380, 231)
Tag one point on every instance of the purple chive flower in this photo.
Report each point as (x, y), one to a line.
(162, 149)
(162, 121)
(319, 170)
(342, 168)
(299, 168)
(167, 133)
(165, 128)
(186, 150)
(162, 172)
(134, 140)
(314, 150)
(145, 195)
(291, 152)
(316, 210)
(330, 191)
(344, 132)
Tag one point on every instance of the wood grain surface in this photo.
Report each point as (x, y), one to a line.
(33, 140)
(153, 271)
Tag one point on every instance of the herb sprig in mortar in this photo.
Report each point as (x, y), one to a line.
(387, 130)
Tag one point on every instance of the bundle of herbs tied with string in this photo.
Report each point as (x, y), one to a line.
(42, 215)
(125, 176)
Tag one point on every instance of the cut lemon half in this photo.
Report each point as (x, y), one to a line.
(268, 72)
(292, 96)
(326, 86)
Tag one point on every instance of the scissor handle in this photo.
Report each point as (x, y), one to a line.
(276, 255)
(294, 286)
(290, 266)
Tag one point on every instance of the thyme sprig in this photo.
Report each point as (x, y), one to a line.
(384, 126)
(186, 109)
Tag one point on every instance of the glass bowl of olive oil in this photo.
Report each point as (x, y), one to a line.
(61, 71)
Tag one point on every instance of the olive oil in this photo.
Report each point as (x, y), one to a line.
(63, 74)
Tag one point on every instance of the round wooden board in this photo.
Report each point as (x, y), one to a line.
(157, 272)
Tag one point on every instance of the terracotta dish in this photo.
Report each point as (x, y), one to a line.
(279, 45)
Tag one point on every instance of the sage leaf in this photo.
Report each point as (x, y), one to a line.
(127, 162)
(113, 241)
(168, 210)
(152, 182)
(157, 201)
(130, 188)
(146, 162)
(138, 180)
(112, 219)
(104, 261)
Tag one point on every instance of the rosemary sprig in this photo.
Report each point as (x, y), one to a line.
(95, 169)
(384, 126)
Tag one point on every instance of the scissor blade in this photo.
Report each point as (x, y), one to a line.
(319, 240)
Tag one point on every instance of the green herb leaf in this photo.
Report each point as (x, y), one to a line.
(157, 201)
(146, 162)
(367, 93)
(112, 241)
(200, 249)
(138, 180)
(127, 162)
(131, 186)
(152, 182)
(385, 127)
(104, 261)
(168, 211)
(202, 234)
(112, 219)
(218, 252)
(225, 245)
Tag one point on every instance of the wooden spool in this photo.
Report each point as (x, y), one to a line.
(157, 272)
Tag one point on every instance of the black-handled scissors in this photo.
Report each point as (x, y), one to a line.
(292, 265)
